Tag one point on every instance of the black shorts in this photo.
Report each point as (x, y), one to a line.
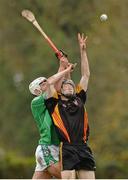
(77, 157)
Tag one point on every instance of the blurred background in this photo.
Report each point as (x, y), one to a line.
(24, 55)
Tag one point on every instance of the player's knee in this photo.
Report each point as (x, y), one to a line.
(84, 174)
(55, 170)
(68, 174)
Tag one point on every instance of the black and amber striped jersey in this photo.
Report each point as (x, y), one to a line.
(70, 117)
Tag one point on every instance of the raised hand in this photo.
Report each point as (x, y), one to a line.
(64, 62)
(82, 41)
(71, 66)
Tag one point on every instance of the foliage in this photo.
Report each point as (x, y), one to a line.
(12, 166)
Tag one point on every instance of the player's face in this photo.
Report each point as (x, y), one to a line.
(68, 89)
(44, 85)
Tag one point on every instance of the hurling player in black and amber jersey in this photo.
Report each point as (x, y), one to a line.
(69, 115)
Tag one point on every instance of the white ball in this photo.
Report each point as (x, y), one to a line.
(103, 17)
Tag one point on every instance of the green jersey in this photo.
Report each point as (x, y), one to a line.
(44, 122)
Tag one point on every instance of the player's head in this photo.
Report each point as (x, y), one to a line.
(68, 88)
(38, 86)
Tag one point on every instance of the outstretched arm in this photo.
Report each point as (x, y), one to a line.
(53, 79)
(63, 65)
(85, 72)
(64, 62)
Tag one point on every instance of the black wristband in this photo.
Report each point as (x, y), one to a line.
(63, 54)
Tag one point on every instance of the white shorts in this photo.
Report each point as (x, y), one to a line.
(45, 156)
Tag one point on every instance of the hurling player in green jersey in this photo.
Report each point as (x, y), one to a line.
(47, 151)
